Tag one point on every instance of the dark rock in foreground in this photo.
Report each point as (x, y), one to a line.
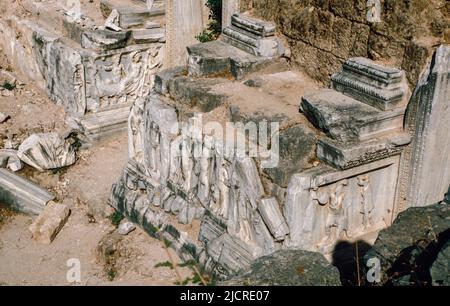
(288, 268)
(409, 248)
(440, 271)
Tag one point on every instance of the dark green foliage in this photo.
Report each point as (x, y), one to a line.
(214, 28)
(166, 264)
(8, 86)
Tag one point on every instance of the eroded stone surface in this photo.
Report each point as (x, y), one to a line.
(22, 194)
(47, 151)
(48, 224)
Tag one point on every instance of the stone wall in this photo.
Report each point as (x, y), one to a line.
(323, 33)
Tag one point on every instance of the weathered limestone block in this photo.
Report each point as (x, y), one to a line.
(409, 247)
(427, 122)
(273, 217)
(373, 84)
(104, 40)
(344, 118)
(5, 155)
(252, 36)
(146, 36)
(297, 148)
(440, 270)
(218, 58)
(324, 205)
(48, 224)
(197, 93)
(3, 117)
(125, 228)
(447, 196)
(163, 78)
(86, 68)
(229, 8)
(360, 130)
(22, 194)
(352, 154)
(46, 151)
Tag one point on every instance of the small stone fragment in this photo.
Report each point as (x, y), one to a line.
(48, 224)
(126, 228)
(3, 117)
(14, 164)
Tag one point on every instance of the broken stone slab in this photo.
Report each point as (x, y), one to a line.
(447, 196)
(273, 217)
(145, 36)
(14, 164)
(125, 228)
(112, 22)
(344, 118)
(254, 26)
(46, 151)
(288, 268)
(230, 254)
(162, 78)
(197, 92)
(48, 224)
(105, 39)
(22, 194)
(3, 117)
(5, 155)
(345, 155)
(368, 82)
(267, 47)
(297, 147)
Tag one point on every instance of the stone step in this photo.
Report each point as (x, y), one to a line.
(145, 36)
(255, 26)
(22, 194)
(345, 119)
(346, 155)
(218, 58)
(99, 125)
(368, 82)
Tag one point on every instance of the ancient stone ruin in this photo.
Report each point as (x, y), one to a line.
(343, 154)
(96, 71)
(234, 153)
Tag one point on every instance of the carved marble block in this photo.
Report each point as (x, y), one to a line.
(252, 36)
(359, 129)
(425, 171)
(324, 206)
(376, 85)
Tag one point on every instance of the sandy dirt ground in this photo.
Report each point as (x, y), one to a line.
(106, 258)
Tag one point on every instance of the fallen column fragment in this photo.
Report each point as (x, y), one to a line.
(22, 194)
(45, 228)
